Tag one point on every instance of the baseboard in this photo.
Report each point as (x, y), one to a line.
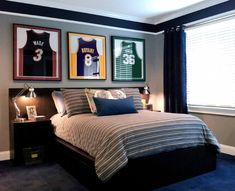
(4, 155)
(227, 149)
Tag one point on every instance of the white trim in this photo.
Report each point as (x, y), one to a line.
(76, 22)
(211, 110)
(227, 149)
(4, 155)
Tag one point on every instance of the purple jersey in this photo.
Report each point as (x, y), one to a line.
(87, 58)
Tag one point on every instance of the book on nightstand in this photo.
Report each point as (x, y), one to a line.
(39, 117)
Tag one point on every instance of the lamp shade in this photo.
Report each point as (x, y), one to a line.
(146, 89)
(31, 93)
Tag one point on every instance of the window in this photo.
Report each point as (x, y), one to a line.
(210, 50)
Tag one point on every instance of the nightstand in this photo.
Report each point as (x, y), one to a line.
(149, 107)
(30, 141)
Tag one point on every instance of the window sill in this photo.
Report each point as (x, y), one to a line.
(212, 110)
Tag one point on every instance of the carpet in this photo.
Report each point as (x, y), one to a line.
(43, 177)
(52, 177)
(222, 179)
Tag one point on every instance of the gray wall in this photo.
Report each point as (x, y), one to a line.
(6, 62)
(222, 126)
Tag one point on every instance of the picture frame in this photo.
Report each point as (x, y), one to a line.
(36, 53)
(31, 112)
(86, 56)
(128, 59)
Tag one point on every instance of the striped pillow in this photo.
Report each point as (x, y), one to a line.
(75, 101)
(136, 95)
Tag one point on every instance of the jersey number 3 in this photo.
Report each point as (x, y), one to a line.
(38, 55)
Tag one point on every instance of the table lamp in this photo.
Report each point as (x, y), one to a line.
(146, 89)
(30, 94)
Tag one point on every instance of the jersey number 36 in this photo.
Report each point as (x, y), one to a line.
(128, 59)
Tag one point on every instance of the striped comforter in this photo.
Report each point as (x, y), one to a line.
(112, 140)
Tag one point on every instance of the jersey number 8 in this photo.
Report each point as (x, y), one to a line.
(88, 59)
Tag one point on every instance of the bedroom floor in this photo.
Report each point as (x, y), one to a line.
(52, 177)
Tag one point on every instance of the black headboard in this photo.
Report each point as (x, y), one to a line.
(43, 102)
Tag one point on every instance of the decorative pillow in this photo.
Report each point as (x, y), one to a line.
(117, 94)
(75, 101)
(90, 93)
(58, 99)
(114, 106)
(136, 96)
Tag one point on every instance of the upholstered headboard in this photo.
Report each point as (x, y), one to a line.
(43, 102)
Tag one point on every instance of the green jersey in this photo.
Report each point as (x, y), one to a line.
(128, 64)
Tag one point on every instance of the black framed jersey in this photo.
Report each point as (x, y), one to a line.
(37, 57)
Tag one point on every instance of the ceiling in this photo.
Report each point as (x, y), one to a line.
(147, 11)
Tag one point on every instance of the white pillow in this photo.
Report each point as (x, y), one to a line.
(90, 93)
(117, 94)
(58, 99)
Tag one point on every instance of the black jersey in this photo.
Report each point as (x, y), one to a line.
(37, 55)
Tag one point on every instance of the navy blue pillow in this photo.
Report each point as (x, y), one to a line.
(114, 106)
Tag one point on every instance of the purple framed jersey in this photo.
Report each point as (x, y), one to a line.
(87, 58)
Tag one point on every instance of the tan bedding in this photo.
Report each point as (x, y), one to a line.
(111, 140)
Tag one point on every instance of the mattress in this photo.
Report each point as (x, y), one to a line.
(112, 140)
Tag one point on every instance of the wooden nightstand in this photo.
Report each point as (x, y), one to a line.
(149, 107)
(30, 141)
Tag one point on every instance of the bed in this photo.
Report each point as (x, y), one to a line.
(135, 170)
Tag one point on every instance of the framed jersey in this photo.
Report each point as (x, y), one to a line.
(128, 59)
(37, 53)
(87, 56)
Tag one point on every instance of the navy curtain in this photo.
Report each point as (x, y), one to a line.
(175, 93)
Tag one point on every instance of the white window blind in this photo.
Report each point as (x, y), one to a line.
(210, 50)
